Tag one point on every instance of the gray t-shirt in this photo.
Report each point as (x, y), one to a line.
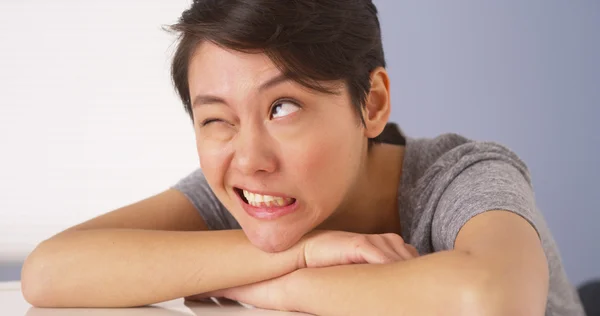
(445, 182)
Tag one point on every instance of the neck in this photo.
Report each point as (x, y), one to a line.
(371, 206)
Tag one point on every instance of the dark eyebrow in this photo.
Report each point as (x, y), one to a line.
(206, 99)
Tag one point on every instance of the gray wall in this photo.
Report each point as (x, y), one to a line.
(523, 73)
(10, 271)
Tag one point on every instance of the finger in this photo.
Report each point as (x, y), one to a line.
(404, 252)
(412, 250)
(381, 242)
(372, 254)
(366, 252)
(399, 246)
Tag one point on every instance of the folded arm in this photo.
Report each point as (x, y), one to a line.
(489, 272)
(142, 254)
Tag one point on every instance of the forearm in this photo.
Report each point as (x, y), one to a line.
(124, 267)
(445, 283)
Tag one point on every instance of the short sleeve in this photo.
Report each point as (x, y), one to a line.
(486, 185)
(196, 189)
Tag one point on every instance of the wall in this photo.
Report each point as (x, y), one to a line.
(89, 120)
(523, 73)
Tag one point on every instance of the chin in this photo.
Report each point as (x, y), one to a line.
(270, 240)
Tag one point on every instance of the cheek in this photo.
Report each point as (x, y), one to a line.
(213, 164)
(325, 168)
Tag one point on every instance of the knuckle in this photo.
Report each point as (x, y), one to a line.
(359, 240)
(395, 238)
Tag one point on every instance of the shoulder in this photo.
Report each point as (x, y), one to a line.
(449, 154)
(450, 178)
(196, 188)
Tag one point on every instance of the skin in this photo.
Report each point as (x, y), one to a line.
(489, 273)
(338, 254)
(320, 145)
(295, 148)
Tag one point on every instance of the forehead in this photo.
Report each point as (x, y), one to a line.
(216, 68)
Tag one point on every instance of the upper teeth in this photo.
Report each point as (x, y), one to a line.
(256, 199)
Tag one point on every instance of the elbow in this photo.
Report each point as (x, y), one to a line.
(477, 299)
(29, 282)
(35, 285)
(489, 296)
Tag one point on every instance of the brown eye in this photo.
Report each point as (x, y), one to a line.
(283, 108)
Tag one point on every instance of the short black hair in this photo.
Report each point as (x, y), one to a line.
(311, 41)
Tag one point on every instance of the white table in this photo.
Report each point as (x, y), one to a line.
(13, 303)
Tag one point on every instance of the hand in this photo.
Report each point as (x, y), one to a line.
(269, 294)
(320, 249)
(330, 248)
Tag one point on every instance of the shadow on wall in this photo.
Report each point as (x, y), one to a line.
(10, 271)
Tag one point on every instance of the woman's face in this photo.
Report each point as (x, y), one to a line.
(278, 141)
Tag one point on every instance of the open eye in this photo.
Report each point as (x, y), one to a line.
(283, 107)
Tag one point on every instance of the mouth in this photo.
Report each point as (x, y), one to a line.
(260, 200)
(263, 206)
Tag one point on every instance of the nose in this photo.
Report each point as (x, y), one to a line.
(252, 152)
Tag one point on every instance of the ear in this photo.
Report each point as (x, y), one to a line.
(377, 107)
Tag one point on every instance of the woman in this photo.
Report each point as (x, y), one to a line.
(308, 199)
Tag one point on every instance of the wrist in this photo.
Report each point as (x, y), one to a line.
(299, 248)
(293, 288)
(300, 255)
(292, 256)
(302, 245)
